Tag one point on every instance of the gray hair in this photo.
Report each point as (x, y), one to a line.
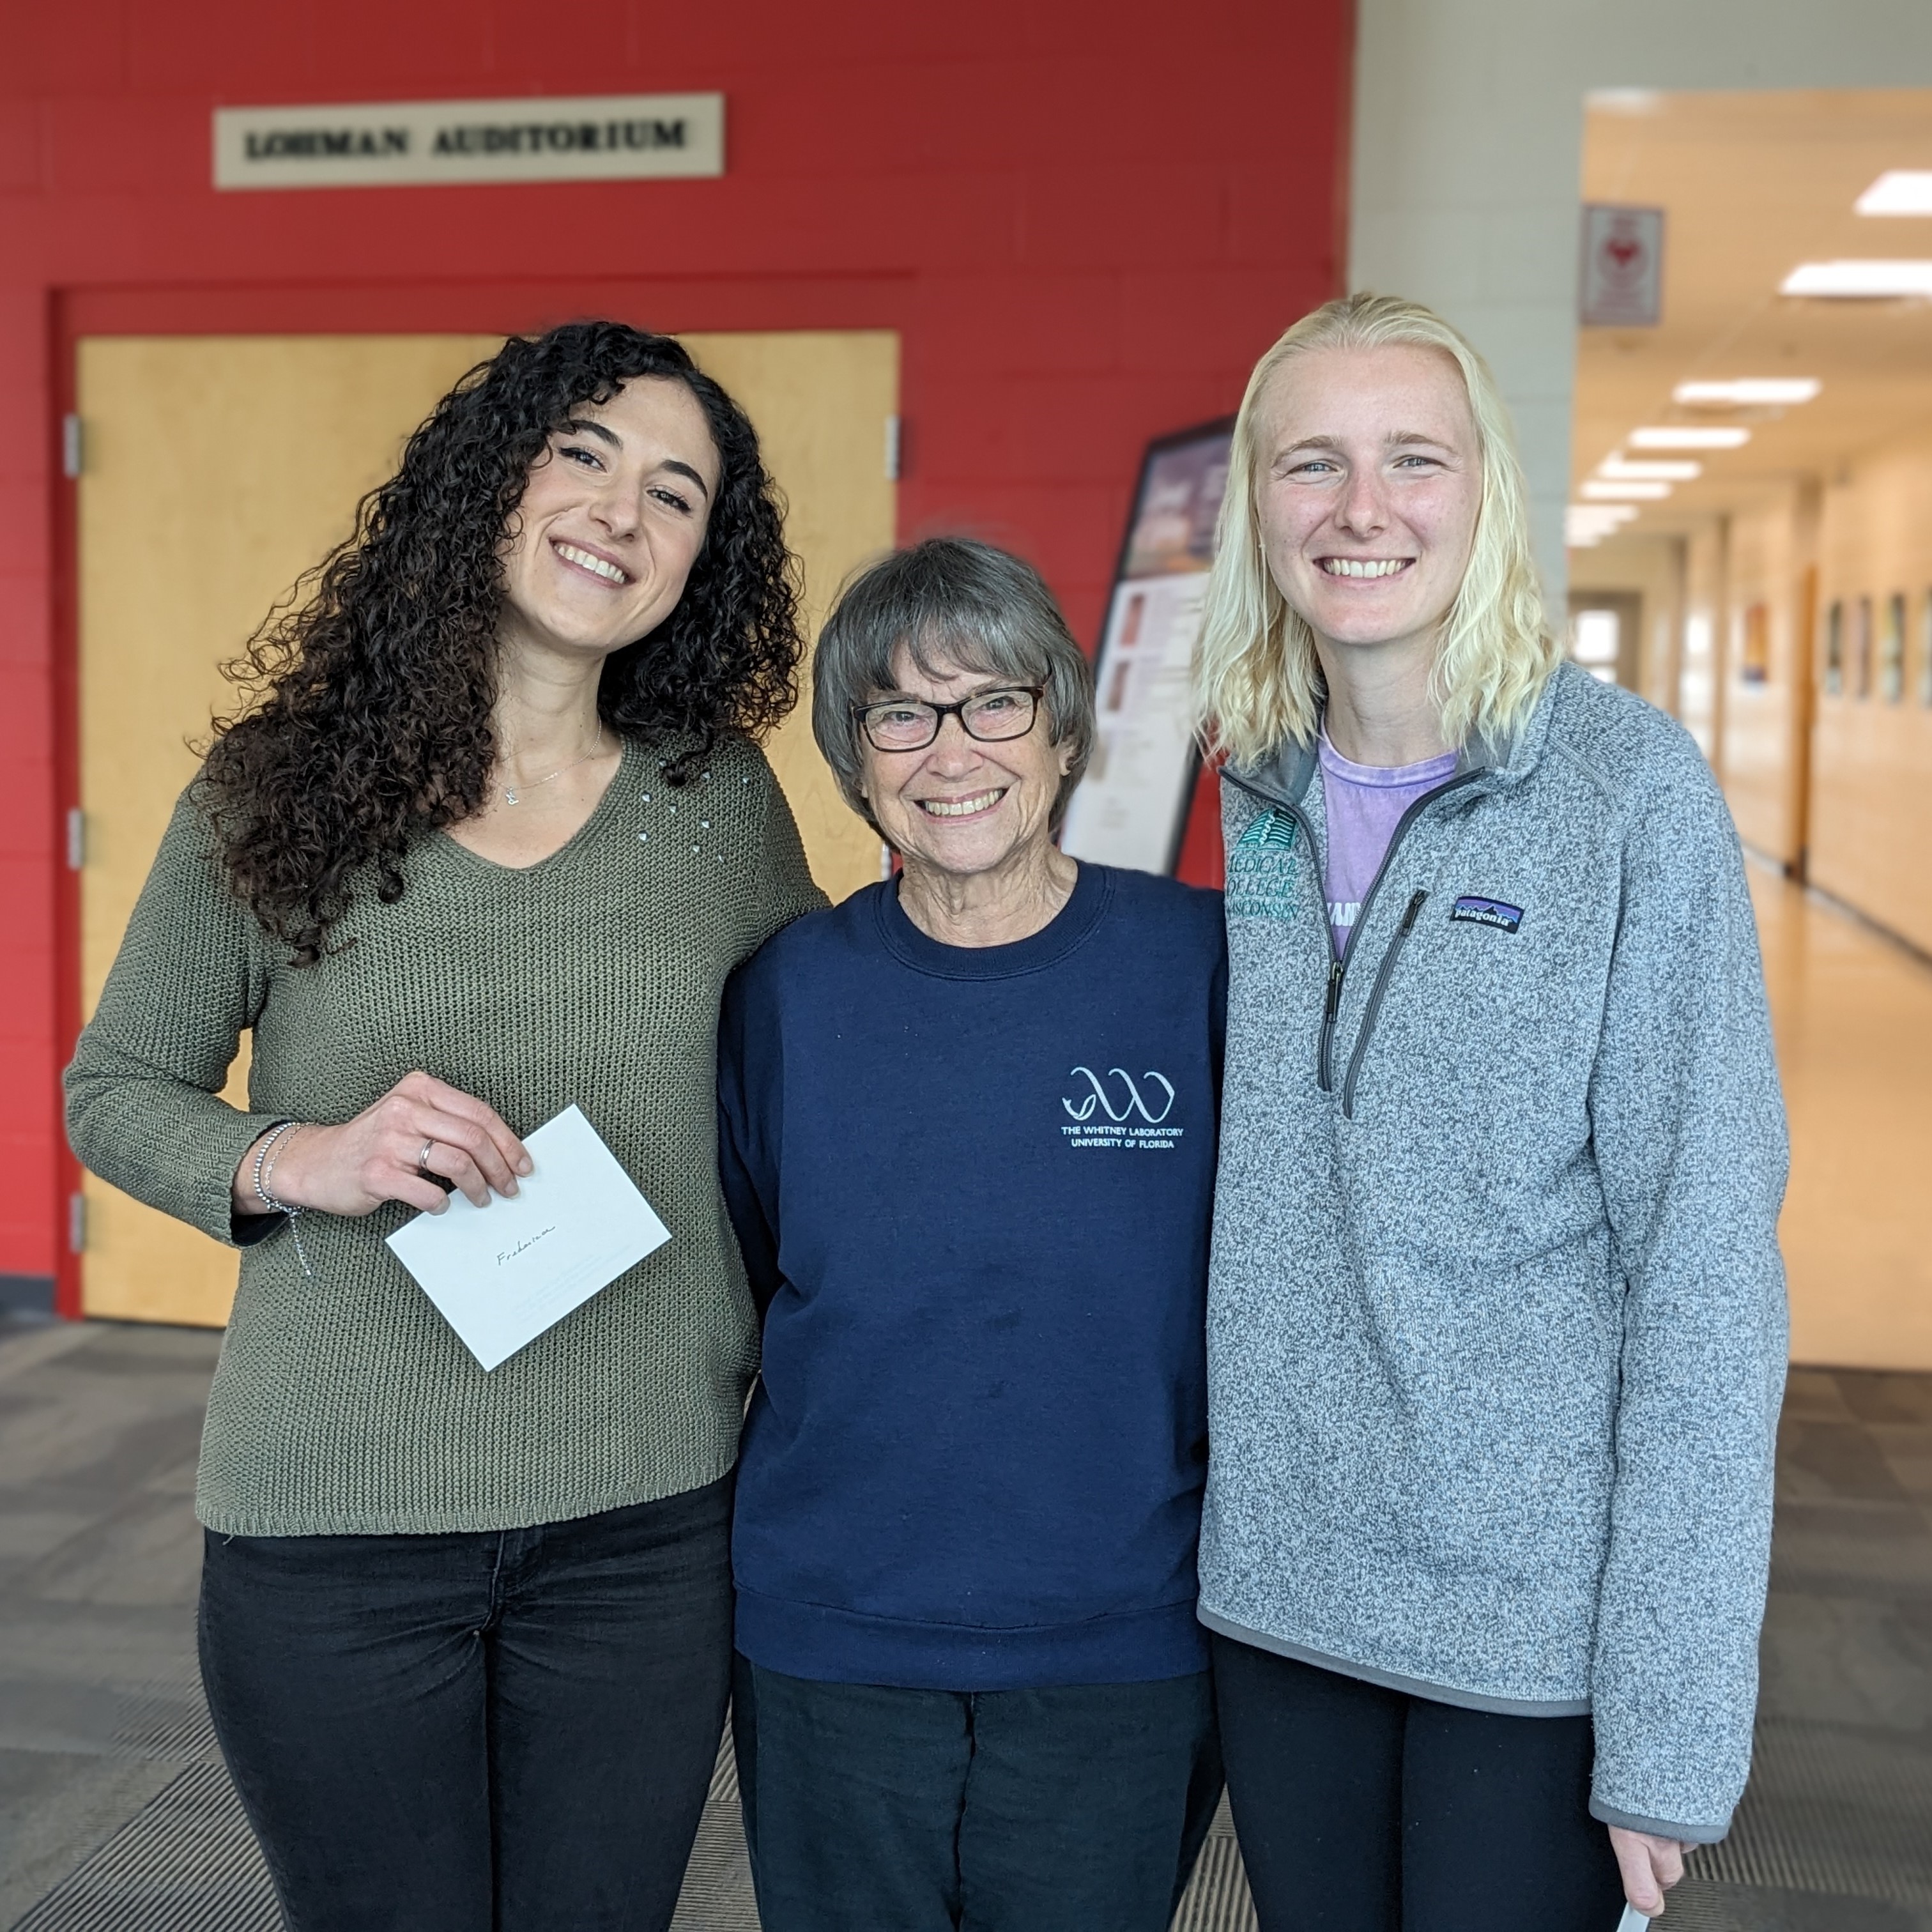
(950, 603)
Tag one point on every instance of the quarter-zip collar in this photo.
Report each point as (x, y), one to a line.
(1284, 778)
(1481, 765)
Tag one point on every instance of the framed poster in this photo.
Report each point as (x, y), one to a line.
(1623, 267)
(1131, 808)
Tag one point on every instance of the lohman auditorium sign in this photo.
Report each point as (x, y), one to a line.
(611, 137)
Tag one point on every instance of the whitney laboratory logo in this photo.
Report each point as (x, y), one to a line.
(1136, 1103)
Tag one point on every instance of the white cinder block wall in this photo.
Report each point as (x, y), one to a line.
(1467, 145)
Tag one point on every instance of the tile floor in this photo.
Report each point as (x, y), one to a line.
(115, 1815)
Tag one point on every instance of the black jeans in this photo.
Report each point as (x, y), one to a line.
(492, 1732)
(1363, 1809)
(870, 1809)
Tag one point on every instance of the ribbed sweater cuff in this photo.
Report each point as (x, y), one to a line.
(228, 1136)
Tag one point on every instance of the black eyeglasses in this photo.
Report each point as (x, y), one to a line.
(909, 725)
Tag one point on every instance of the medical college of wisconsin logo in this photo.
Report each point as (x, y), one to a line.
(1119, 1110)
(1262, 868)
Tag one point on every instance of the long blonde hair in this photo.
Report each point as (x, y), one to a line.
(1257, 681)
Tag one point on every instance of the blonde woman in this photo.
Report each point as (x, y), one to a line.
(1496, 1322)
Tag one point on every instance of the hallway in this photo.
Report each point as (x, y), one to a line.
(1853, 1015)
(115, 1816)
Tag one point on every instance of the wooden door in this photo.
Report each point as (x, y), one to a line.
(217, 470)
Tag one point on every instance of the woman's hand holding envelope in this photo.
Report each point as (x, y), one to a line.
(419, 1139)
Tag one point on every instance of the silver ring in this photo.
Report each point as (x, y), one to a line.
(422, 1160)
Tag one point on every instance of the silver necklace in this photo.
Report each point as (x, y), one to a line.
(513, 794)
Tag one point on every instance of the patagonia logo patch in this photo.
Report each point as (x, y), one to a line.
(1488, 912)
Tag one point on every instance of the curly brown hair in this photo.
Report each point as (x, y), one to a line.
(368, 697)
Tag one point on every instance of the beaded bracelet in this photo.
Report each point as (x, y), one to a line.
(268, 1151)
(263, 1148)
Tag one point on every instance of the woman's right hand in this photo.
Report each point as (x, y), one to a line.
(1649, 1866)
(352, 1169)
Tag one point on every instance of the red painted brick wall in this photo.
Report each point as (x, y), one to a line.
(1085, 219)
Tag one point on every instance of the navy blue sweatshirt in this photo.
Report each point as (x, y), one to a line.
(973, 1186)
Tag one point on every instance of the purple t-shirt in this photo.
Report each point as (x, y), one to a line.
(1364, 803)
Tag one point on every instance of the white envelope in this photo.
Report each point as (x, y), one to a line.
(504, 1273)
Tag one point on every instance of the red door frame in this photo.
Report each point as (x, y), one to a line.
(676, 306)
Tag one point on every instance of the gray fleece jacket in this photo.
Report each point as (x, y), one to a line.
(1496, 1322)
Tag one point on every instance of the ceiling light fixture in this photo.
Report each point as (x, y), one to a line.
(1744, 390)
(1859, 281)
(1687, 436)
(1898, 191)
(1587, 523)
(1623, 100)
(1620, 468)
(1594, 492)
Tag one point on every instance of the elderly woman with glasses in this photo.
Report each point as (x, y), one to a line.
(968, 1127)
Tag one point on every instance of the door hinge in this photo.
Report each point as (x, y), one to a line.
(72, 445)
(76, 839)
(76, 1224)
(893, 439)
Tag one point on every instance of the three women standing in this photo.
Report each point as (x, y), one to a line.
(488, 844)
(1496, 1326)
(1495, 1322)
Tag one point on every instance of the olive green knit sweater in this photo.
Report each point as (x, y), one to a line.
(343, 1403)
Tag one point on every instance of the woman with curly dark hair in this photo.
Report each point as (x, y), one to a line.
(484, 842)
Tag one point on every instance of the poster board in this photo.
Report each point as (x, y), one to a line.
(1131, 808)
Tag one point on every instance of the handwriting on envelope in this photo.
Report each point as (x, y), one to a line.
(502, 1274)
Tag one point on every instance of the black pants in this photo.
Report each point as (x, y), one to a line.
(869, 1809)
(494, 1733)
(1363, 1809)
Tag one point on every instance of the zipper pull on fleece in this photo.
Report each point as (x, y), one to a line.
(1324, 1071)
(1373, 1012)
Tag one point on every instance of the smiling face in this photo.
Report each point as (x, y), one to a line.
(1368, 481)
(963, 806)
(612, 520)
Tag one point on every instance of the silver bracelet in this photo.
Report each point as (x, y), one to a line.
(264, 1168)
(268, 1151)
